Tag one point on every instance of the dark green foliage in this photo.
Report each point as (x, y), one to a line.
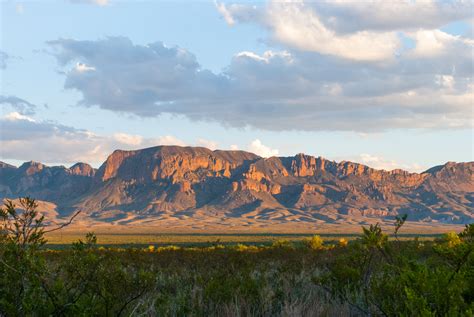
(23, 229)
(20, 239)
(80, 281)
(370, 276)
(387, 278)
(399, 222)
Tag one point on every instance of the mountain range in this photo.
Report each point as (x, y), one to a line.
(197, 188)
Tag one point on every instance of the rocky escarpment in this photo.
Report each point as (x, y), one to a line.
(177, 181)
(56, 184)
(173, 164)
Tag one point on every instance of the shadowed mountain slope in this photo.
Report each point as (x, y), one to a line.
(188, 183)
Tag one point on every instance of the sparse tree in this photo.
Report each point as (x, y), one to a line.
(22, 268)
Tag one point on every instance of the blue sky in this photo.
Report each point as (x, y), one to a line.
(343, 81)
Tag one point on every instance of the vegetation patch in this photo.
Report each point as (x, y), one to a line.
(368, 275)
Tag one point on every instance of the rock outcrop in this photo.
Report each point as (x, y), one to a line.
(196, 180)
(82, 169)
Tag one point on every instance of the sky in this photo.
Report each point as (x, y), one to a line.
(346, 80)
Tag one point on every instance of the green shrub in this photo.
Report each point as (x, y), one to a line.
(369, 276)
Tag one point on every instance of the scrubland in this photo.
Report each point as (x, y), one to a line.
(369, 274)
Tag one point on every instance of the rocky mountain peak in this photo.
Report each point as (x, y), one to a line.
(197, 181)
(82, 169)
(31, 167)
(111, 166)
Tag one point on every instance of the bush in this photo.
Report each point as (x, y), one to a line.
(378, 277)
(369, 276)
(343, 242)
(452, 239)
(315, 243)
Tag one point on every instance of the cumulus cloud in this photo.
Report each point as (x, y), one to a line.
(379, 162)
(170, 140)
(82, 68)
(257, 147)
(266, 57)
(128, 139)
(275, 90)
(13, 116)
(24, 138)
(212, 145)
(356, 30)
(395, 15)
(118, 75)
(302, 28)
(346, 16)
(435, 43)
(225, 13)
(231, 13)
(19, 105)
(335, 71)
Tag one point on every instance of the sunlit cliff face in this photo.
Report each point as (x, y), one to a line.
(198, 181)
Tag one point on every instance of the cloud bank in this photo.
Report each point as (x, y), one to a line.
(24, 138)
(340, 65)
(262, 150)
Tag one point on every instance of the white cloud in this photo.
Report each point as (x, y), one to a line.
(82, 68)
(277, 90)
(378, 162)
(212, 145)
(163, 73)
(170, 140)
(27, 139)
(251, 55)
(13, 116)
(128, 139)
(431, 42)
(24, 138)
(234, 147)
(237, 12)
(225, 13)
(266, 57)
(445, 81)
(355, 30)
(393, 15)
(258, 148)
(299, 26)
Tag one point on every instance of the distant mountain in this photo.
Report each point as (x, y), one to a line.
(194, 185)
